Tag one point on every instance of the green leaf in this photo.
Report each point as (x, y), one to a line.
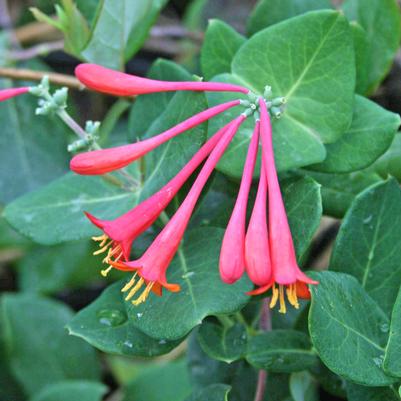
(381, 21)
(60, 205)
(303, 387)
(219, 47)
(214, 392)
(281, 351)
(361, 46)
(270, 12)
(330, 382)
(392, 363)
(368, 245)
(362, 393)
(372, 129)
(149, 107)
(390, 162)
(195, 269)
(346, 328)
(303, 205)
(119, 31)
(31, 154)
(51, 269)
(226, 344)
(105, 325)
(72, 390)
(339, 190)
(38, 346)
(310, 61)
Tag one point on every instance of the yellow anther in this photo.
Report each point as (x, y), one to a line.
(142, 298)
(100, 238)
(283, 308)
(292, 295)
(135, 289)
(274, 296)
(104, 249)
(105, 272)
(129, 284)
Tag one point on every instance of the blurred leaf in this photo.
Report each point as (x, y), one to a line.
(313, 69)
(10, 238)
(119, 31)
(392, 362)
(368, 245)
(149, 107)
(270, 12)
(51, 269)
(339, 190)
(88, 8)
(195, 269)
(372, 129)
(390, 162)
(281, 351)
(33, 149)
(105, 325)
(329, 381)
(38, 346)
(346, 328)
(171, 379)
(72, 390)
(60, 205)
(361, 393)
(214, 392)
(303, 387)
(381, 21)
(226, 344)
(219, 47)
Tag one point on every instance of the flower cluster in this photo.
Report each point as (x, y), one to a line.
(264, 248)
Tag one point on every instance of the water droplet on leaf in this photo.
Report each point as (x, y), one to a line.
(111, 317)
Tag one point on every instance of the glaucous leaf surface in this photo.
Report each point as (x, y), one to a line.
(220, 44)
(368, 245)
(72, 390)
(214, 392)
(168, 381)
(195, 269)
(281, 351)
(372, 129)
(226, 344)
(363, 393)
(310, 61)
(119, 30)
(105, 325)
(34, 334)
(392, 362)
(381, 21)
(270, 12)
(60, 205)
(31, 154)
(348, 329)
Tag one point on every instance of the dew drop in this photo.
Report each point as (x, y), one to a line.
(128, 344)
(384, 328)
(368, 219)
(161, 342)
(139, 315)
(378, 361)
(111, 317)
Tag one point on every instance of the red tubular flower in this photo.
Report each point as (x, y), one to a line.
(106, 160)
(120, 233)
(152, 266)
(232, 254)
(117, 83)
(286, 272)
(12, 92)
(257, 253)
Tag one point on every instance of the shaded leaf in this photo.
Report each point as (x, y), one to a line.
(359, 393)
(390, 162)
(214, 392)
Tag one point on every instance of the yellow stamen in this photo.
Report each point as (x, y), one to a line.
(283, 308)
(112, 252)
(292, 295)
(104, 249)
(105, 272)
(144, 295)
(135, 289)
(100, 238)
(274, 296)
(130, 283)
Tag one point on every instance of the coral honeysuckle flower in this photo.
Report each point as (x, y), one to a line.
(106, 160)
(12, 92)
(117, 83)
(232, 254)
(152, 265)
(286, 272)
(120, 233)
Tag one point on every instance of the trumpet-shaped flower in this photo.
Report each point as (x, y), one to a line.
(12, 92)
(286, 273)
(117, 83)
(152, 265)
(106, 160)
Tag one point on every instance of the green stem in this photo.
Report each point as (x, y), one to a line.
(226, 321)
